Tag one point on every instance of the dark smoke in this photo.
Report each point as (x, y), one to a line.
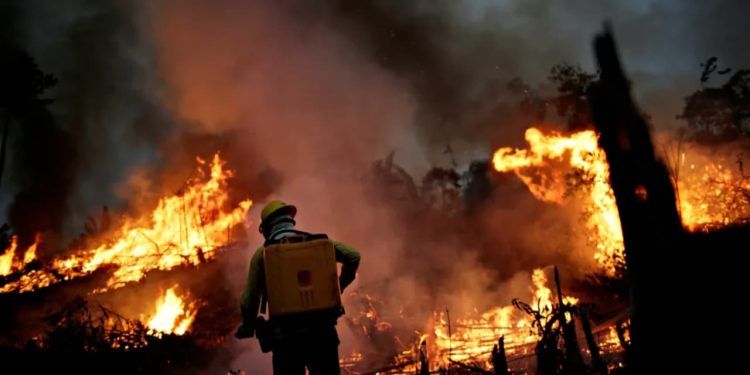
(38, 153)
(107, 112)
(303, 97)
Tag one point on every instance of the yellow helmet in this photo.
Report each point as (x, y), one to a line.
(275, 207)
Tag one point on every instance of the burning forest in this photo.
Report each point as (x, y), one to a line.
(506, 204)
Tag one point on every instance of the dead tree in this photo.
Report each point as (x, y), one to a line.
(651, 225)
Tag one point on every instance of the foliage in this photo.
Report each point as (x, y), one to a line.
(719, 114)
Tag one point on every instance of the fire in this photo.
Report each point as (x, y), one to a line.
(473, 338)
(173, 315)
(187, 228)
(546, 168)
(8, 261)
(30, 254)
(710, 193)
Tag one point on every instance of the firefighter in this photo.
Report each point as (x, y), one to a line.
(303, 340)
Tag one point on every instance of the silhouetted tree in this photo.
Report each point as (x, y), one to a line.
(43, 152)
(21, 85)
(722, 113)
(572, 86)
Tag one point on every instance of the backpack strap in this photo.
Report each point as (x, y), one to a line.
(263, 302)
(299, 236)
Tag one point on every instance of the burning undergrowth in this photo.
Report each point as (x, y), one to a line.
(567, 170)
(183, 234)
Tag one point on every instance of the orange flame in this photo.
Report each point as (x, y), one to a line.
(30, 254)
(544, 167)
(173, 315)
(8, 261)
(709, 193)
(184, 229)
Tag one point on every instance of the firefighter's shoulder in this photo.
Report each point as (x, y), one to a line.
(257, 255)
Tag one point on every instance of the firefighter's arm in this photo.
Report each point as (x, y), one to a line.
(349, 258)
(250, 300)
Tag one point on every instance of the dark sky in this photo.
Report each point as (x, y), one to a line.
(446, 56)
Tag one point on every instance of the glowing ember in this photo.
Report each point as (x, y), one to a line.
(173, 315)
(184, 229)
(545, 169)
(711, 194)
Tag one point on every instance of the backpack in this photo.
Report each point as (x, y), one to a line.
(301, 276)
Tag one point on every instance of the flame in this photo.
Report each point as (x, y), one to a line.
(544, 168)
(173, 315)
(8, 262)
(709, 193)
(184, 229)
(30, 254)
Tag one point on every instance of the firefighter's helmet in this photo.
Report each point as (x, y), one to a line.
(275, 208)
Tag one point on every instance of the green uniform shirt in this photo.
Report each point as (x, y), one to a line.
(250, 300)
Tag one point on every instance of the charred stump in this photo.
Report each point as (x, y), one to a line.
(596, 358)
(499, 361)
(651, 225)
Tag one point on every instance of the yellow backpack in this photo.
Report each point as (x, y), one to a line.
(301, 275)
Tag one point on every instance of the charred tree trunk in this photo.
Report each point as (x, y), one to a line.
(547, 357)
(499, 361)
(650, 222)
(596, 358)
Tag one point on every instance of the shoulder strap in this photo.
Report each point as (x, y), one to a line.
(306, 236)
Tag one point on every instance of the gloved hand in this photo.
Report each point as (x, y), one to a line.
(244, 331)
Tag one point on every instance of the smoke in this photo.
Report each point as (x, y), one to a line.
(314, 93)
(301, 98)
(107, 101)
